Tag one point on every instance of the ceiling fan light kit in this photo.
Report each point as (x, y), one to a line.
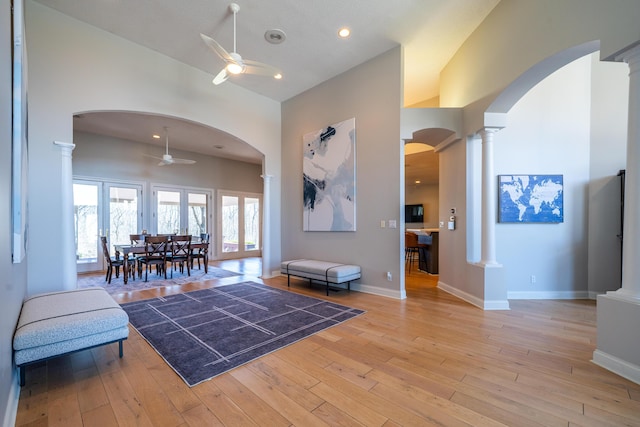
(235, 64)
(167, 159)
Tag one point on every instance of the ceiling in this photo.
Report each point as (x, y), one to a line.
(430, 31)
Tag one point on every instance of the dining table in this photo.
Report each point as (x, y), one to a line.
(127, 249)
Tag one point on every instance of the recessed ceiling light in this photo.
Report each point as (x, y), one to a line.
(275, 36)
(156, 136)
(277, 76)
(344, 32)
(219, 147)
(417, 181)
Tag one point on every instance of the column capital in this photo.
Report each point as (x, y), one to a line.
(65, 147)
(266, 177)
(488, 131)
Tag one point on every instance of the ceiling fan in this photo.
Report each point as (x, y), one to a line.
(166, 158)
(235, 64)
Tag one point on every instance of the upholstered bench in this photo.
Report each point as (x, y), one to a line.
(58, 323)
(324, 271)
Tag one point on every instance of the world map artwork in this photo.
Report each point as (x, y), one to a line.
(530, 198)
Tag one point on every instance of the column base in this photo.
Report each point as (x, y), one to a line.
(618, 348)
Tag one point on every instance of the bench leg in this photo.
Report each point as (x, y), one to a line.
(120, 348)
(327, 288)
(288, 280)
(22, 375)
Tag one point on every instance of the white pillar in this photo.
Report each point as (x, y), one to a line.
(631, 232)
(489, 200)
(266, 226)
(67, 245)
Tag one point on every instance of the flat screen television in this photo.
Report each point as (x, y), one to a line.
(413, 213)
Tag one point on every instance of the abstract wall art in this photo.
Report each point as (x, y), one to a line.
(329, 178)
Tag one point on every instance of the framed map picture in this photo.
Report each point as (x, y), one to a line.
(329, 178)
(530, 198)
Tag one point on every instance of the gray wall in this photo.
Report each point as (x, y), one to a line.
(13, 280)
(106, 157)
(370, 93)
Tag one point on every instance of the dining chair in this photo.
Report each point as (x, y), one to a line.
(114, 263)
(155, 253)
(137, 239)
(201, 253)
(180, 253)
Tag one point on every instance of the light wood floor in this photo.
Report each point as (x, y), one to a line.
(428, 360)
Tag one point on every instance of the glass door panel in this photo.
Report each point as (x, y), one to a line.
(86, 218)
(251, 223)
(197, 207)
(239, 225)
(230, 218)
(123, 213)
(168, 212)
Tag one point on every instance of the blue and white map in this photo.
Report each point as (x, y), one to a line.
(530, 198)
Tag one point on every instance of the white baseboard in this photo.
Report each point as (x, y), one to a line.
(617, 366)
(549, 295)
(12, 402)
(375, 290)
(473, 300)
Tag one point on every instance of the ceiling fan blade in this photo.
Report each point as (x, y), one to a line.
(221, 77)
(183, 161)
(259, 68)
(215, 46)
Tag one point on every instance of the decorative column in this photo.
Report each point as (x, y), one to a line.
(489, 191)
(631, 243)
(67, 247)
(618, 312)
(266, 226)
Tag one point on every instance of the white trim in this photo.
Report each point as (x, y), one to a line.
(617, 366)
(13, 399)
(376, 290)
(473, 300)
(549, 295)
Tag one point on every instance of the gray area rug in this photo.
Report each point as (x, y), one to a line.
(207, 332)
(117, 284)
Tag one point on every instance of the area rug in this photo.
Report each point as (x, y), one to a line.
(154, 281)
(204, 333)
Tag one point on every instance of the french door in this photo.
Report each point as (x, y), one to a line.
(239, 225)
(106, 209)
(181, 210)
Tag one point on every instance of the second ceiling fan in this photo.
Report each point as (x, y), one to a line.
(235, 64)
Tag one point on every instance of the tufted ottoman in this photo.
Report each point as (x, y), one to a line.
(324, 271)
(58, 323)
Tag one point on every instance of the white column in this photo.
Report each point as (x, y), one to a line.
(266, 226)
(489, 200)
(631, 232)
(67, 245)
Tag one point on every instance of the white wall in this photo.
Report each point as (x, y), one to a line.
(371, 93)
(548, 133)
(75, 68)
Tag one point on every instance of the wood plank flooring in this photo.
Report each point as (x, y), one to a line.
(431, 359)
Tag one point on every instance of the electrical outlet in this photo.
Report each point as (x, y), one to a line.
(533, 279)
(389, 276)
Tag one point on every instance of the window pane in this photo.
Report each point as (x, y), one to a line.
(251, 224)
(123, 214)
(197, 214)
(168, 212)
(229, 224)
(85, 218)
